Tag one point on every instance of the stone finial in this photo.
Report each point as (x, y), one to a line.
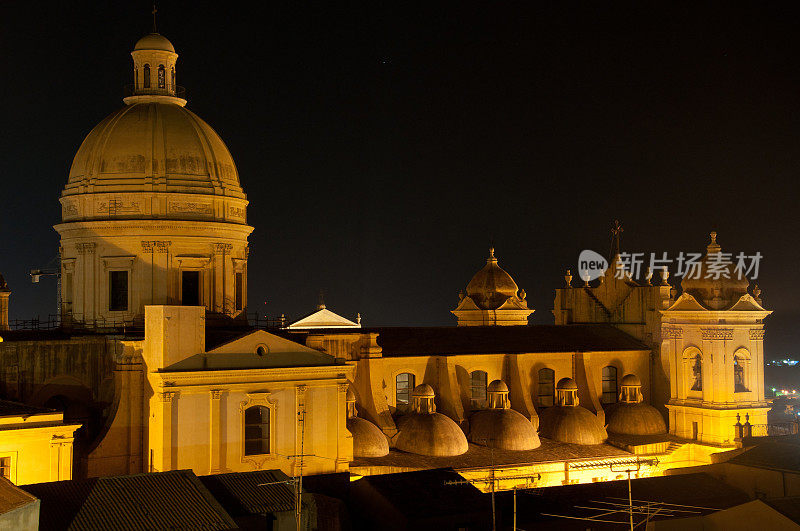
(585, 278)
(321, 300)
(648, 276)
(492, 258)
(757, 293)
(522, 294)
(358, 318)
(713, 247)
(568, 278)
(664, 276)
(461, 295)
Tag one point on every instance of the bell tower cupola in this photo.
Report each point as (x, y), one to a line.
(154, 74)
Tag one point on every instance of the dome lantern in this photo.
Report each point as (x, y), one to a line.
(154, 76)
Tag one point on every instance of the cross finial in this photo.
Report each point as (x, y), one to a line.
(713, 235)
(616, 232)
(154, 18)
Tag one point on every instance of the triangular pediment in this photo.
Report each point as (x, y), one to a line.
(466, 304)
(747, 303)
(323, 318)
(687, 303)
(256, 350)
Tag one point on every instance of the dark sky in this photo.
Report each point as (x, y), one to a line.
(383, 145)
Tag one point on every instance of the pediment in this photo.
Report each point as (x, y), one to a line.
(324, 318)
(686, 303)
(746, 303)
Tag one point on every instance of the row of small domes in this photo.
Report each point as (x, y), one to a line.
(426, 432)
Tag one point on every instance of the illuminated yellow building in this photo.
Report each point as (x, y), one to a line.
(153, 212)
(36, 445)
(157, 361)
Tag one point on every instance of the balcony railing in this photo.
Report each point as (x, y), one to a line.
(131, 90)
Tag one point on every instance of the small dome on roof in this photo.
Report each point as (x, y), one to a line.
(430, 434)
(491, 286)
(505, 429)
(714, 281)
(635, 419)
(368, 439)
(571, 424)
(630, 379)
(497, 386)
(567, 384)
(423, 391)
(154, 41)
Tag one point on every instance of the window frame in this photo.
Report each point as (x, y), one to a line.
(481, 387)
(610, 396)
(199, 285)
(262, 440)
(410, 383)
(258, 399)
(127, 272)
(146, 76)
(551, 383)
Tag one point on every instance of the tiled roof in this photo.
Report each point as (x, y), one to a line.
(10, 409)
(779, 454)
(501, 339)
(12, 497)
(247, 493)
(166, 500)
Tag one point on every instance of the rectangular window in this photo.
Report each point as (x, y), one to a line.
(547, 387)
(190, 288)
(5, 467)
(256, 430)
(239, 292)
(118, 291)
(609, 385)
(404, 384)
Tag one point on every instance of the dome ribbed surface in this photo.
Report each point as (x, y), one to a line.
(430, 434)
(368, 439)
(491, 286)
(154, 147)
(505, 429)
(571, 424)
(635, 419)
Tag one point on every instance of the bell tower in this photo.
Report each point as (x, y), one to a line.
(713, 338)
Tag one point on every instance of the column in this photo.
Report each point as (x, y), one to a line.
(215, 435)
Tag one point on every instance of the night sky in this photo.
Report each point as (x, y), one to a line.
(382, 147)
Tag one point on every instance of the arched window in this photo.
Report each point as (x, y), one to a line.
(697, 373)
(609, 385)
(478, 381)
(162, 77)
(404, 384)
(739, 383)
(146, 79)
(256, 430)
(172, 78)
(547, 387)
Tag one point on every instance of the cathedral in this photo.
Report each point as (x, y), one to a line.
(155, 367)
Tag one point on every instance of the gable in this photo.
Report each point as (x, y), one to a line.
(256, 350)
(324, 318)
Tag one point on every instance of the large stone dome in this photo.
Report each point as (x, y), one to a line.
(571, 424)
(503, 428)
(430, 434)
(153, 147)
(635, 419)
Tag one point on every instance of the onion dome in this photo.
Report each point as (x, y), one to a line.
(492, 286)
(500, 426)
(568, 422)
(368, 439)
(631, 416)
(707, 281)
(426, 432)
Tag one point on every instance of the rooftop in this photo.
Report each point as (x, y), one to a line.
(165, 500)
(481, 456)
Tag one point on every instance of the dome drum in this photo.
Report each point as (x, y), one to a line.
(154, 205)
